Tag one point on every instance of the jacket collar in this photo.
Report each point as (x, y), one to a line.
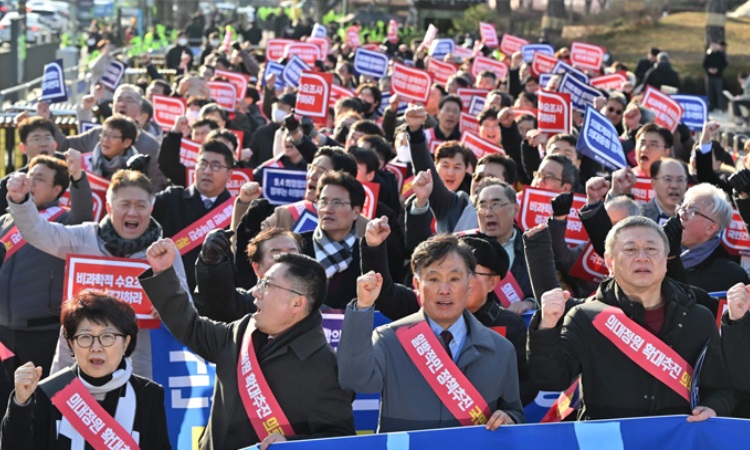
(610, 293)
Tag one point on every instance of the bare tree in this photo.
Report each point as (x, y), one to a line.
(554, 20)
(716, 17)
(504, 11)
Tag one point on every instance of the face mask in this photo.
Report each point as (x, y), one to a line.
(90, 42)
(192, 115)
(182, 42)
(215, 43)
(403, 153)
(366, 106)
(278, 115)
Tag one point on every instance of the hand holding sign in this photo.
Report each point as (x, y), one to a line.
(553, 307)
(19, 186)
(596, 189)
(270, 439)
(497, 419)
(738, 301)
(377, 231)
(709, 130)
(26, 380)
(42, 109)
(161, 255)
(75, 166)
(368, 289)
(415, 116)
(20, 117)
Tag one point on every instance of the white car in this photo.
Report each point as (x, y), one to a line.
(57, 22)
(37, 30)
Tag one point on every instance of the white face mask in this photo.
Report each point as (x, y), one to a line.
(403, 153)
(278, 114)
(215, 43)
(182, 41)
(192, 115)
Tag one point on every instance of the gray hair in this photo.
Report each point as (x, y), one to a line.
(493, 181)
(719, 208)
(129, 88)
(624, 202)
(633, 222)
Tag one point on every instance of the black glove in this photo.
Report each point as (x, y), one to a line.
(673, 229)
(740, 181)
(291, 123)
(217, 246)
(308, 127)
(562, 203)
(139, 162)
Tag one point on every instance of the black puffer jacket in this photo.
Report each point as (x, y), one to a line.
(613, 385)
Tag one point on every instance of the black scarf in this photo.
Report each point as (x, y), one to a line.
(123, 248)
(264, 348)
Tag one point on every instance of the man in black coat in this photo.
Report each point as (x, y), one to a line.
(662, 74)
(645, 64)
(286, 334)
(735, 333)
(176, 207)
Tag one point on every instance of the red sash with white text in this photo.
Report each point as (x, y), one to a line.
(90, 420)
(646, 350)
(192, 236)
(14, 242)
(261, 406)
(451, 386)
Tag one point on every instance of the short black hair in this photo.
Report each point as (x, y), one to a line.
(365, 126)
(223, 133)
(214, 146)
(437, 248)
(346, 181)
(511, 170)
(341, 160)
(147, 108)
(308, 276)
(570, 171)
(449, 149)
(31, 124)
(349, 103)
(205, 123)
(654, 128)
(61, 178)
(487, 74)
(125, 125)
(376, 94)
(450, 98)
(487, 113)
(366, 156)
(380, 145)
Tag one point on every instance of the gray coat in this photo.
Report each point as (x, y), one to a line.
(59, 240)
(31, 281)
(371, 362)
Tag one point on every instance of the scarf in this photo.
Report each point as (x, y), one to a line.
(696, 255)
(333, 255)
(123, 248)
(265, 347)
(104, 167)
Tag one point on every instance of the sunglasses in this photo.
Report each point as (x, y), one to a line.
(612, 110)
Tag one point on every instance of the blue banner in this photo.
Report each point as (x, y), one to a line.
(113, 74)
(385, 101)
(372, 63)
(599, 140)
(528, 51)
(53, 84)
(283, 186)
(319, 31)
(544, 79)
(667, 432)
(441, 47)
(293, 70)
(278, 69)
(563, 67)
(694, 110)
(581, 94)
(307, 221)
(86, 126)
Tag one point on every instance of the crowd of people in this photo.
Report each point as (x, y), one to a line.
(440, 251)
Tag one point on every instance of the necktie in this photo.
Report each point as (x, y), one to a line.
(447, 338)
(207, 203)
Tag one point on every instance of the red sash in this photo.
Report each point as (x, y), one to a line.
(5, 352)
(295, 209)
(14, 242)
(261, 406)
(508, 290)
(192, 236)
(451, 386)
(646, 350)
(90, 420)
(562, 406)
(589, 266)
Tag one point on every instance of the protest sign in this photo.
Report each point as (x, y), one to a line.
(694, 110)
(224, 94)
(642, 191)
(511, 44)
(368, 62)
(476, 105)
(113, 74)
(466, 94)
(167, 109)
(372, 191)
(553, 115)
(479, 146)
(609, 82)
(392, 31)
(563, 67)
(307, 52)
(536, 208)
(189, 152)
(441, 47)
(238, 80)
(314, 93)
(542, 63)
(586, 56)
(735, 238)
(322, 44)
(53, 83)
(481, 63)
(352, 36)
(667, 111)
(319, 31)
(429, 35)
(468, 123)
(275, 48)
(529, 50)
(581, 94)
(282, 186)
(441, 71)
(278, 70)
(599, 140)
(293, 70)
(489, 34)
(338, 92)
(410, 83)
(99, 198)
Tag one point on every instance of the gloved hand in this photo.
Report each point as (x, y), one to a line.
(673, 229)
(139, 162)
(740, 181)
(291, 123)
(561, 204)
(217, 246)
(308, 127)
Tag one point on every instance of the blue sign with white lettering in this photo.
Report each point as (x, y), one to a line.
(599, 140)
(581, 94)
(307, 221)
(441, 47)
(385, 101)
(370, 62)
(694, 110)
(113, 74)
(283, 186)
(528, 50)
(53, 84)
(544, 79)
(563, 67)
(293, 71)
(278, 69)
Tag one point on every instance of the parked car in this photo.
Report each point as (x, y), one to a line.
(37, 30)
(56, 21)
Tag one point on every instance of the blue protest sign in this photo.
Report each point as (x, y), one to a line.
(293, 71)
(599, 140)
(113, 74)
(86, 126)
(319, 31)
(477, 105)
(307, 221)
(561, 66)
(283, 186)
(385, 101)
(278, 69)
(694, 110)
(370, 62)
(528, 50)
(581, 94)
(441, 47)
(544, 79)
(53, 84)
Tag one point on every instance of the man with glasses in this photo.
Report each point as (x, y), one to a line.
(115, 147)
(556, 173)
(652, 143)
(276, 378)
(669, 178)
(177, 208)
(705, 213)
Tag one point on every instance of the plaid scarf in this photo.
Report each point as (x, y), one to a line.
(333, 255)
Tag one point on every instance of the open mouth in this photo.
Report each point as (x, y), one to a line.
(643, 159)
(675, 196)
(96, 362)
(122, 112)
(131, 225)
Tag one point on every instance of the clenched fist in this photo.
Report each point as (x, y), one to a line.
(377, 231)
(161, 255)
(553, 307)
(368, 289)
(19, 186)
(26, 380)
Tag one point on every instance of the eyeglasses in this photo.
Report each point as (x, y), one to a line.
(107, 137)
(493, 205)
(689, 213)
(262, 287)
(650, 145)
(544, 177)
(316, 170)
(334, 204)
(41, 139)
(127, 100)
(215, 165)
(105, 339)
(669, 180)
(612, 110)
(486, 274)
